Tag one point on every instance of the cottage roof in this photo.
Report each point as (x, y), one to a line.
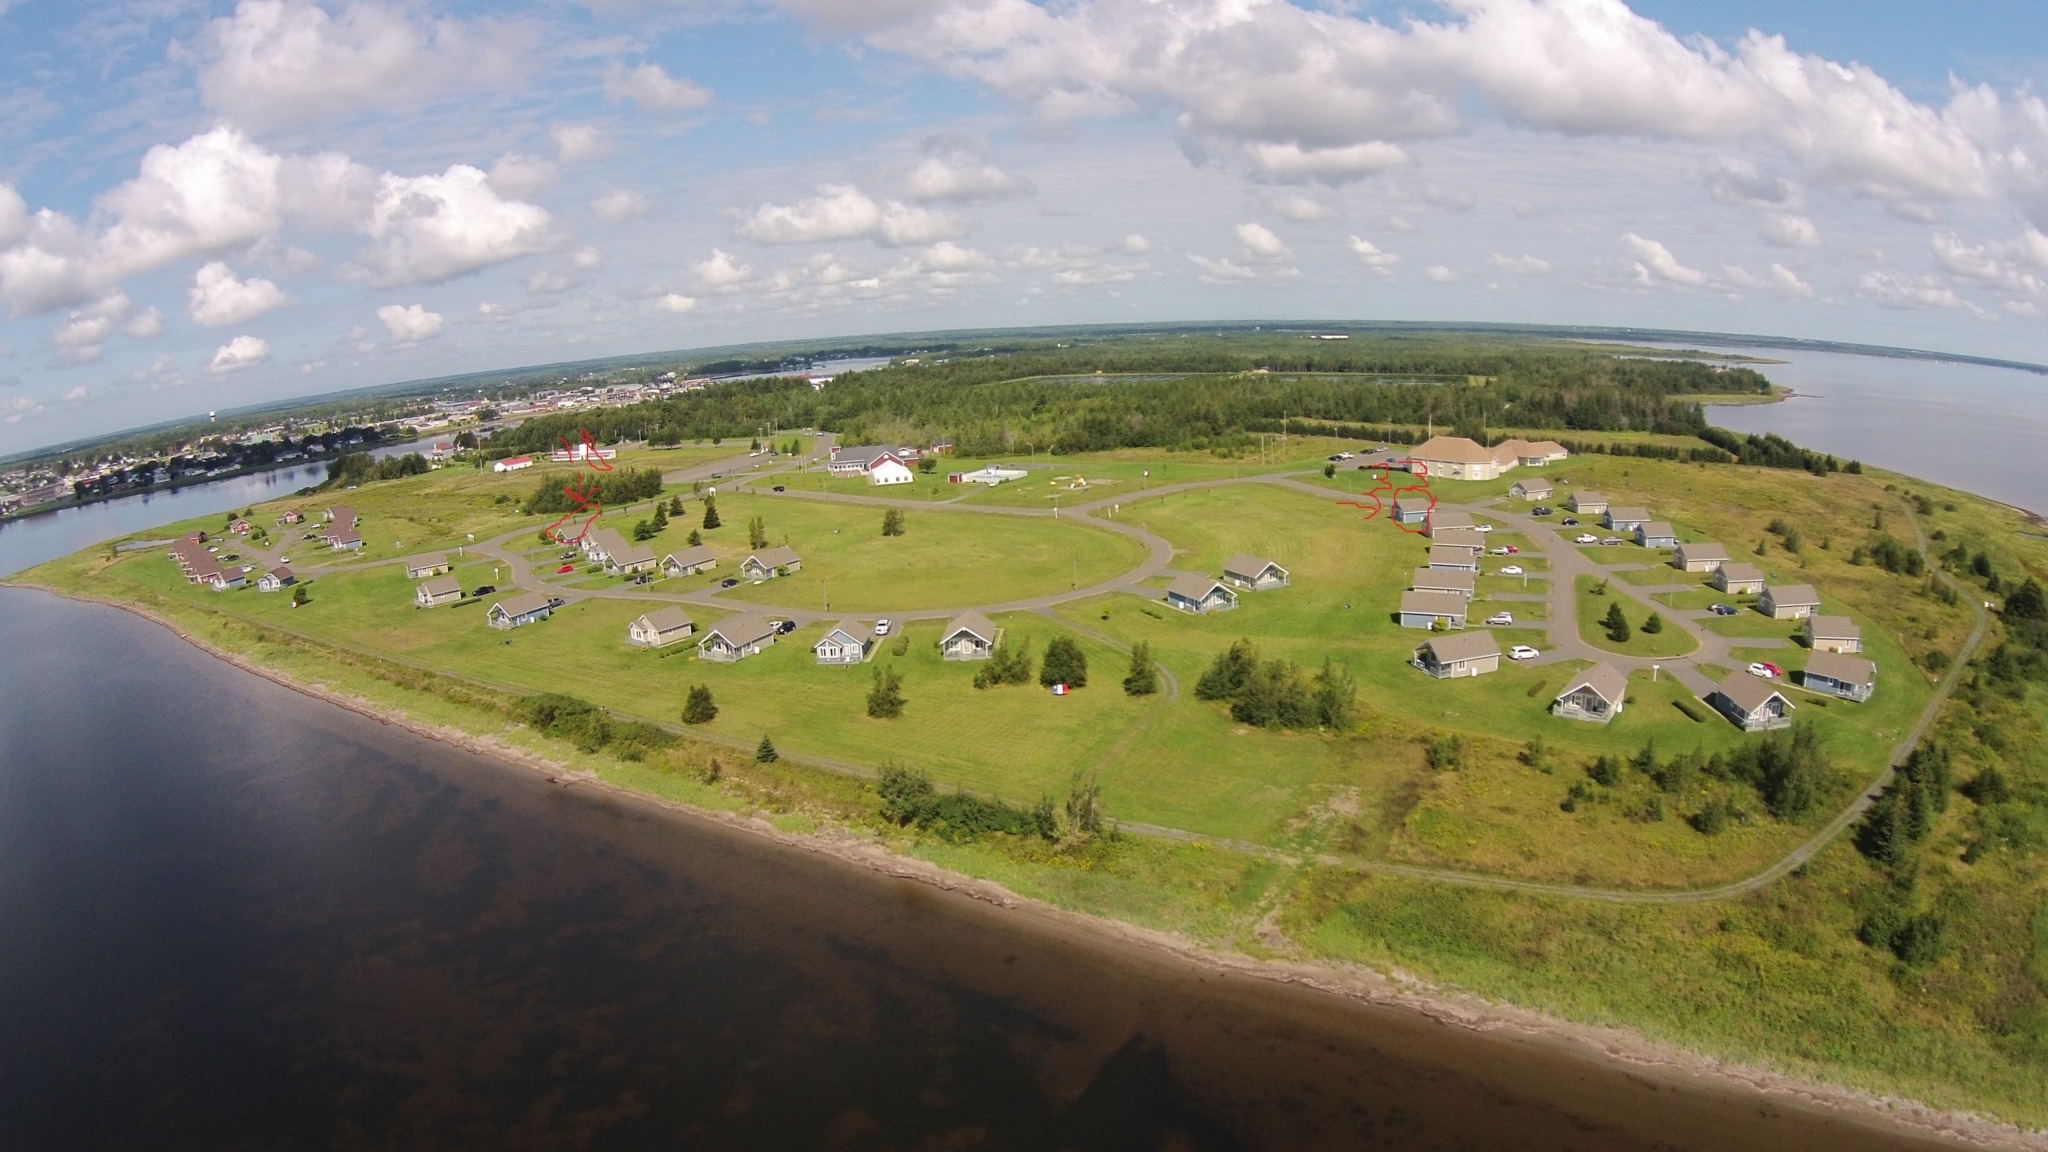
(1433, 604)
(1735, 572)
(776, 557)
(1838, 666)
(866, 454)
(1782, 594)
(1547, 448)
(348, 536)
(427, 560)
(342, 514)
(848, 631)
(742, 630)
(1627, 513)
(1450, 554)
(631, 554)
(1442, 579)
(1248, 566)
(1834, 628)
(1658, 528)
(1609, 682)
(1196, 587)
(1452, 450)
(691, 557)
(1588, 497)
(1749, 693)
(283, 572)
(520, 605)
(1462, 646)
(1471, 538)
(1533, 484)
(608, 539)
(663, 621)
(1440, 521)
(442, 587)
(973, 622)
(1704, 551)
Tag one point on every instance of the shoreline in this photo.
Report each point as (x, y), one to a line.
(1611, 1046)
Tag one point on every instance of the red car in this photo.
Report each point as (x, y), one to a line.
(1775, 670)
(566, 568)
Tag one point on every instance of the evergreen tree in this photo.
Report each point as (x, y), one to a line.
(643, 531)
(1064, 663)
(699, 709)
(696, 538)
(660, 516)
(675, 505)
(1143, 678)
(885, 698)
(892, 522)
(710, 512)
(1616, 623)
(1654, 624)
(764, 752)
(1229, 673)
(1005, 666)
(757, 533)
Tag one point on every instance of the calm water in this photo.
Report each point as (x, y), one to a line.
(235, 918)
(1975, 428)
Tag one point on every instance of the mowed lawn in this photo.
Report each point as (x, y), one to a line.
(945, 558)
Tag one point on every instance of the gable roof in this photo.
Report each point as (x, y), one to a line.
(1735, 572)
(1197, 588)
(1609, 682)
(1704, 551)
(1471, 538)
(1434, 604)
(741, 630)
(1627, 513)
(442, 587)
(1532, 483)
(1793, 594)
(608, 540)
(427, 560)
(631, 554)
(662, 621)
(847, 630)
(1438, 579)
(692, 556)
(282, 572)
(1462, 646)
(973, 622)
(1248, 566)
(1749, 693)
(1452, 554)
(1839, 666)
(1588, 496)
(521, 604)
(776, 557)
(1440, 521)
(1833, 628)
(1452, 450)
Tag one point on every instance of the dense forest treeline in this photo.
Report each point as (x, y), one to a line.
(1187, 394)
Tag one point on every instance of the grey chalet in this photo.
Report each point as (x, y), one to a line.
(1598, 694)
(1247, 571)
(969, 636)
(1752, 702)
(659, 628)
(1464, 654)
(1200, 595)
(844, 643)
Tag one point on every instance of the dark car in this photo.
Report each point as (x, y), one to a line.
(568, 555)
(718, 475)
(484, 590)
(556, 601)
(786, 627)
(729, 582)
(1541, 510)
(643, 578)
(777, 488)
(1570, 521)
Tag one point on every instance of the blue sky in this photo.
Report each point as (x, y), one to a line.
(204, 205)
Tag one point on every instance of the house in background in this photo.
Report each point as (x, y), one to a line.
(512, 464)
(845, 643)
(1833, 634)
(1248, 571)
(770, 564)
(1699, 557)
(890, 470)
(1424, 609)
(1465, 654)
(1850, 677)
(277, 579)
(1598, 694)
(431, 564)
(1585, 503)
(1200, 595)
(1739, 579)
(969, 636)
(1471, 538)
(446, 590)
(1788, 601)
(1528, 454)
(1625, 519)
(736, 639)
(1412, 507)
(1656, 534)
(860, 460)
(1752, 702)
(519, 611)
(688, 562)
(1453, 580)
(1453, 557)
(630, 558)
(659, 628)
(1456, 458)
(1533, 488)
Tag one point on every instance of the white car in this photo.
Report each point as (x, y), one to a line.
(882, 626)
(1500, 551)
(1511, 570)
(1585, 538)
(1482, 527)
(1501, 618)
(1522, 652)
(1761, 671)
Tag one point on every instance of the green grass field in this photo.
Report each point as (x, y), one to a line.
(1672, 641)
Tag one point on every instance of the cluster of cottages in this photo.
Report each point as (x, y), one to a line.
(1632, 522)
(1440, 594)
(434, 592)
(969, 636)
(203, 567)
(1201, 595)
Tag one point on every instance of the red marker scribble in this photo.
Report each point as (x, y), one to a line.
(1383, 483)
(585, 491)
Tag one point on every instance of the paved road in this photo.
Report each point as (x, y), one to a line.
(1566, 563)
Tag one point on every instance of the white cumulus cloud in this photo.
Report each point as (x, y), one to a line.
(1898, 290)
(1260, 243)
(1782, 281)
(620, 206)
(962, 180)
(410, 323)
(1370, 255)
(520, 177)
(426, 229)
(1524, 265)
(218, 300)
(239, 353)
(1655, 264)
(677, 303)
(652, 88)
(576, 143)
(844, 212)
(1790, 230)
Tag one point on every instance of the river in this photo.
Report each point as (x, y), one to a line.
(236, 917)
(1969, 426)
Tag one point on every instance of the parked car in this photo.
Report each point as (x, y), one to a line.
(1511, 570)
(1501, 618)
(643, 578)
(1512, 550)
(1570, 521)
(1585, 538)
(729, 582)
(484, 590)
(1722, 610)
(1772, 668)
(1542, 510)
(778, 488)
(785, 627)
(1610, 542)
(1482, 527)
(1523, 652)
(882, 626)
(565, 569)
(1500, 551)
(556, 601)
(1762, 670)
(568, 555)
